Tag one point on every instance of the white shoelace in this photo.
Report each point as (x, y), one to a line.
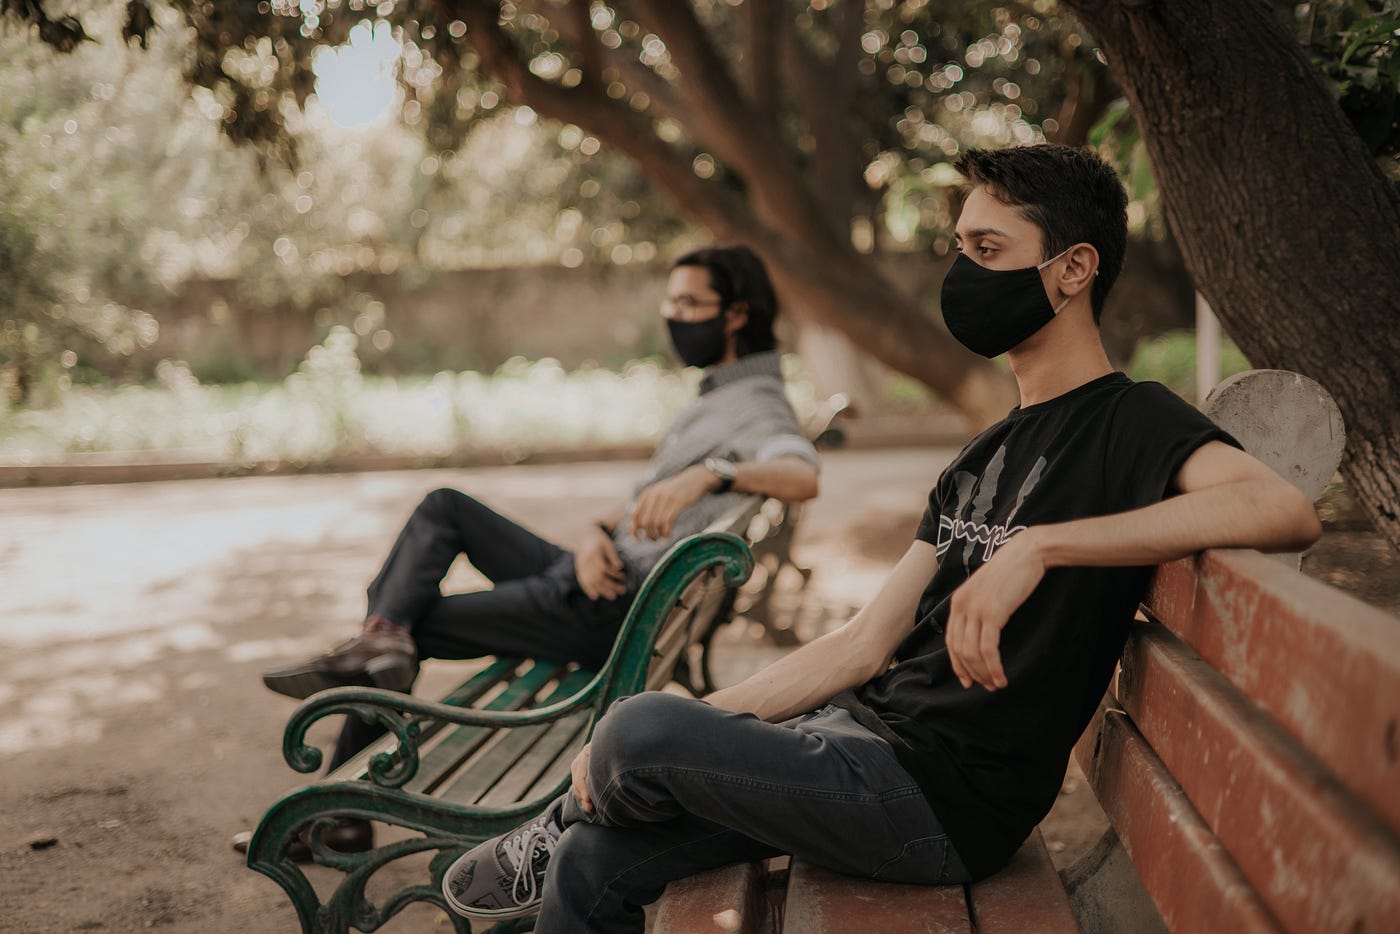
(522, 849)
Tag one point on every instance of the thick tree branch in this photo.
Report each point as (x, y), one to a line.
(724, 122)
(764, 25)
(824, 93)
(580, 24)
(616, 124)
(577, 32)
(1088, 92)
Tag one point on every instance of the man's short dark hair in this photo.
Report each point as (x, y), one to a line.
(1072, 195)
(738, 275)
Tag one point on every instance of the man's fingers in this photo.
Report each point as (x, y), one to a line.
(990, 656)
(952, 637)
(578, 770)
(968, 649)
(610, 556)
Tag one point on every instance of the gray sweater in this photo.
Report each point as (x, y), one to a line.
(741, 414)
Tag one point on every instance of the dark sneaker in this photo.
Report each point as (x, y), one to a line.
(384, 657)
(503, 877)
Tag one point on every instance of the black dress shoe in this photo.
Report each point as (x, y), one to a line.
(346, 835)
(383, 657)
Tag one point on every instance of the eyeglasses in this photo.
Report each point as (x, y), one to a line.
(687, 307)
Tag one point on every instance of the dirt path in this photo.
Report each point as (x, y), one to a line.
(136, 736)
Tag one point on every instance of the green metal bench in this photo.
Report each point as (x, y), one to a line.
(493, 752)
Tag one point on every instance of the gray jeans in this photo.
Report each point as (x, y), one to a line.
(679, 786)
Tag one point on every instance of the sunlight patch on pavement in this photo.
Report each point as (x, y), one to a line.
(72, 710)
(259, 649)
(117, 654)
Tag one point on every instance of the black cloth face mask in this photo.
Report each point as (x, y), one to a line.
(990, 311)
(698, 343)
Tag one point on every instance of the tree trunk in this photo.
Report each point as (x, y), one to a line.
(1287, 225)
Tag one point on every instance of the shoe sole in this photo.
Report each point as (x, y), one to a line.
(388, 674)
(480, 914)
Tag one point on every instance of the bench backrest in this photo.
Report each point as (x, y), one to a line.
(705, 604)
(687, 589)
(1253, 771)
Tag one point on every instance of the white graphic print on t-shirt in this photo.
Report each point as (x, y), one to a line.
(975, 529)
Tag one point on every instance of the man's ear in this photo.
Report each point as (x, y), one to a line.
(1081, 266)
(735, 317)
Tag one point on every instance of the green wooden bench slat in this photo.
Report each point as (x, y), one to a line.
(547, 781)
(452, 751)
(464, 695)
(492, 761)
(539, 763)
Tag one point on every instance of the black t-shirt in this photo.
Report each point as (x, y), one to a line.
(991, 763)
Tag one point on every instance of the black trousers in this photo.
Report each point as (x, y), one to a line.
(535, 608)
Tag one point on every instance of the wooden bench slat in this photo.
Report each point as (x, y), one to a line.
(504, 748)
(728, 900)
(550, 777)
(1024, 896)
(702, 601)
(1320, 859)
(1322, 663)
(464, 695)
(820, 901)
(494, 760)
(1192, 880)
(440, 761)
(538, 763)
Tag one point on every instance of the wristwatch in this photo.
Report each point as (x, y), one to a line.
(725, 470)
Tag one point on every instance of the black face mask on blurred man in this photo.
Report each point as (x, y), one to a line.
(698, 343)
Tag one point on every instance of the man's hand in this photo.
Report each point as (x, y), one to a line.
(657, 507)
(598, 568)
(981, 607)
(579, 770)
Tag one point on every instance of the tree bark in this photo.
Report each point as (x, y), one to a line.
(1287, 225)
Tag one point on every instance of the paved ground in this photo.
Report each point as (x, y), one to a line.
(136, 736)
(134, 620)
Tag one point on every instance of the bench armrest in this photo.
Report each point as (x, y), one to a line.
(404, 715)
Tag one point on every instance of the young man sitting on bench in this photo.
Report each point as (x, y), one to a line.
(934, 728)
(739, 436)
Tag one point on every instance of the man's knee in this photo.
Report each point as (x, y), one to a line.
(642, 730)
(445, 501)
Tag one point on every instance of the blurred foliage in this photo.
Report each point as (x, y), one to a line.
(1170, 359)
(327, 409)
(1356, 46)
(118, 181)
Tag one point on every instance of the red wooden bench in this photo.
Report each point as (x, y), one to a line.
(1248, 760)
(802, 898)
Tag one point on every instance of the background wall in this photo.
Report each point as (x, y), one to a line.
(477, 319)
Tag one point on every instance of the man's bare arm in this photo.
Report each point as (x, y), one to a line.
(1228, 500)
(790, 479)
(821, 669)
(845, 658)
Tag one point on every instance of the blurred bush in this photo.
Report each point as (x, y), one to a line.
(1171, 360)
